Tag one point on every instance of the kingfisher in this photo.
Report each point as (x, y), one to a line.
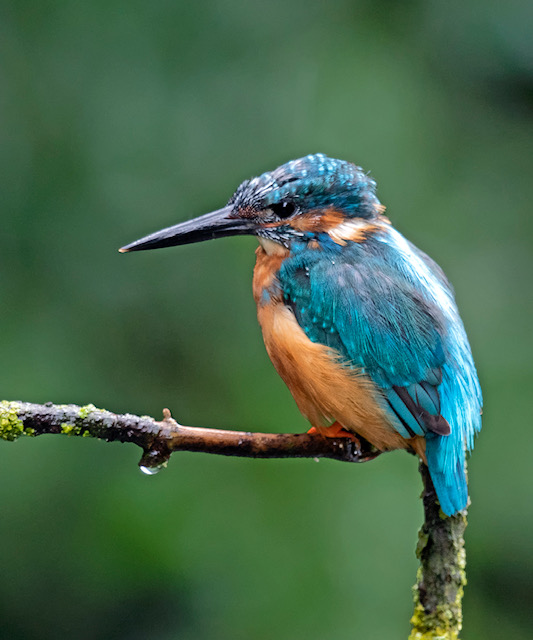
(361, 325)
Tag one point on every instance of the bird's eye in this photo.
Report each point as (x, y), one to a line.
(283, 209)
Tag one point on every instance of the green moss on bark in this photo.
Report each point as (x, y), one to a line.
(11, 426)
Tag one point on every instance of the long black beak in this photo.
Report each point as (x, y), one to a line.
(212, 225)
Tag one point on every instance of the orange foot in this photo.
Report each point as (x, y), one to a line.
(335, 431)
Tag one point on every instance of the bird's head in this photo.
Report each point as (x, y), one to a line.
(298, 201)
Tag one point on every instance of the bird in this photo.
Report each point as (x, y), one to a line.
(360, 324)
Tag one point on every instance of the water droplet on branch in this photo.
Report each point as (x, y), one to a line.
(153, 461)
(151, 471)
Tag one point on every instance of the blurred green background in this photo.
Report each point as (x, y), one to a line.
(119, 118)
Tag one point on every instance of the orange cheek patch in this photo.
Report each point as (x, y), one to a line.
(341, 229)
(356, 230)
(317, 221)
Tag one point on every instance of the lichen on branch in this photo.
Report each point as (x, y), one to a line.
(11, 426)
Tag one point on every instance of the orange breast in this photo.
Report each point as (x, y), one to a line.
(324, 389)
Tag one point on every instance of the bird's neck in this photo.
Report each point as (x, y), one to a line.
(319, 240)
(313, 228)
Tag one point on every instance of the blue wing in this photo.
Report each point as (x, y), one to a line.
(378, 321)
(388, 309)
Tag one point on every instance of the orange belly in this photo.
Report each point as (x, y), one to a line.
(324, 389)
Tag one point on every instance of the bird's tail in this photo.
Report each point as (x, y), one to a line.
(447, 470)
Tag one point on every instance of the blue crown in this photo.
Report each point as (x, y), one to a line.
(312, 182)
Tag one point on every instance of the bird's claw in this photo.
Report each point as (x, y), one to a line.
(335, 431)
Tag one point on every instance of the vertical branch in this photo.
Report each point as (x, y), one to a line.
(441, 577)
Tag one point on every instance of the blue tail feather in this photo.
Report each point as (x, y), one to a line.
(451, 488)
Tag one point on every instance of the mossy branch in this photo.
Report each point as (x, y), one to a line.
(441, 575)
(159, 439)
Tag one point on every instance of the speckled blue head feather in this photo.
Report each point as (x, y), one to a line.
(309, 183)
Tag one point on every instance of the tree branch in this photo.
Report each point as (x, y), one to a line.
(441, 576)
(159, 439)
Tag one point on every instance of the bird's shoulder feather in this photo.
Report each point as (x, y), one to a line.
(357, 300)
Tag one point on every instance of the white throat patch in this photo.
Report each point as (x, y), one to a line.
(272, 248)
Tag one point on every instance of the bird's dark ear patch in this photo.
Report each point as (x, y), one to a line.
(283, 210)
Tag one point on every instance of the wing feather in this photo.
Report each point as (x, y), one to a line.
(376, 318)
